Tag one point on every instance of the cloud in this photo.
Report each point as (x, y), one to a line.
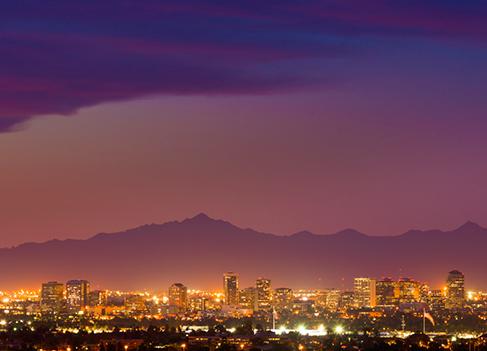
(56, 57)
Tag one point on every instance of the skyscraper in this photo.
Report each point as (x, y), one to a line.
(97, 298)
(52, 296)
(455, 290)
(264, 294)
(248, 298)
(408, 290)
(230, 288)
(386, 292)
(283, 298)
(436, 300)
(364, 292)
(178, 297)
(77, 294)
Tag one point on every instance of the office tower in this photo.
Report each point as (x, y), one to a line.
(347, 300)
(230, 288)
(135, 304)
(178, 297)
(424, 292)
(197, 304)
(408, 290)
(364, 292)
(77, 294)
(386, 292)
(436, 300)
(264, 294)
(52, 297)
(97, 298)
(333, 299)
(283, 298)
(248, 298)
(455, 290)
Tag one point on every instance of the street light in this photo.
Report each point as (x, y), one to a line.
(339, 329)
(183, 347)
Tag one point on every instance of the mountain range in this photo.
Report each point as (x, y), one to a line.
(198, 250)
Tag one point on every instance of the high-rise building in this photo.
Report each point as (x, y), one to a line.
(52, 297)
(77, 294)
(97, 298)
(333, 299)
(264, 294)
(283, 298)
(386, 292)
(248, 298)
(408, 290)
(135, 304)
(455, 290)
(436, 300)
(424, 292)
(364, 292)
(230, 288)
(178, 297)
(347, 300)
(197, 303)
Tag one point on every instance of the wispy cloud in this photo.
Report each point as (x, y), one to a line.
(56, 57)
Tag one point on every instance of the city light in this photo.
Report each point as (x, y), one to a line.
(283, 306)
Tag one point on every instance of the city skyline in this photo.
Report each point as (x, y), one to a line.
(367, 292)
(230, 290)
(277, 314)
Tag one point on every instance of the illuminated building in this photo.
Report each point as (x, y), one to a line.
(455, 290)
(303, 306)
(97, 298)
(424, 291)
(77, 294)
(264, 294)
(230, 288)
(386, 292)
(283, 298)
(364, 292)
(135, 304)
(52, 297)
(436, 300)
(333, 299)
(407, 290)
(347, 300)
(178, 297)
(248, 298)
(197, 304)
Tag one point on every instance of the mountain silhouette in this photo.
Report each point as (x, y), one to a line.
(197, 250)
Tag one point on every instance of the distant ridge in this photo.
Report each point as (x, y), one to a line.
(199, 249)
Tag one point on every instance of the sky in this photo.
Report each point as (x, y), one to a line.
(278, 115)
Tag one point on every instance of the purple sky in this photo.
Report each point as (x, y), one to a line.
(272, 115)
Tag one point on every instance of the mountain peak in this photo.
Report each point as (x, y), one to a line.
(200, 217)
(350, 233)
(469, 226)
